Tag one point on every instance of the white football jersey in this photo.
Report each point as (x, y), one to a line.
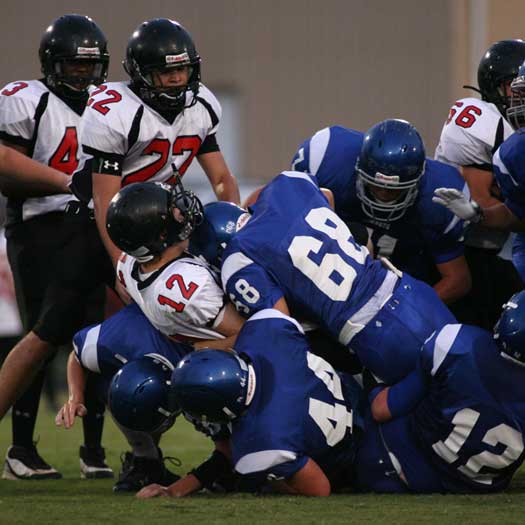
(139, 144)
(32, 116)
(471, 134)
(473, 131)
(181, 299)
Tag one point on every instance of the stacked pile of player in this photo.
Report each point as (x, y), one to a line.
(307, 334)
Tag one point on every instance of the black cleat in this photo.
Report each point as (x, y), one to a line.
(26, 463)
(93, 464)
(142, 472)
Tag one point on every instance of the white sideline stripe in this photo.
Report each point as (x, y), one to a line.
(318, 144)
(271, 313)
(299, 175)
(259, 461)
(232, 264)
(444, 341)
(89, 352)
(360, 318)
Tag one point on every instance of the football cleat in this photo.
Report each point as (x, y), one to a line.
(93, 464)
(26, 463)
(143, 471)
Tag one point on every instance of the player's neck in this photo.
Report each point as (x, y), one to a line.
(173, 252)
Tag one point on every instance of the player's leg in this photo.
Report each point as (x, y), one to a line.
(146, 463)
(123, 337)
(31, 250)
(80, 299)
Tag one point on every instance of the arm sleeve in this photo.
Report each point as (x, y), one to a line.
(209, 145)
(405, 395)
(17, 123)
(248, 287)
(85, 346)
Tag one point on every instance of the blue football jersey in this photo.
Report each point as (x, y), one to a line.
(471, 420)
(508, 165)
(426, 235)
(125, 336)
(301, 407)
(295, 245)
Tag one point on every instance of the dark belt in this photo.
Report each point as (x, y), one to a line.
(79, 209)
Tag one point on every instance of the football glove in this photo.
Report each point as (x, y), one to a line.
(458, 204)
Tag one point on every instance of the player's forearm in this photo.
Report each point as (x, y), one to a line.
(400, 399)
(227, 189)
(102, 195)
(76, 379)
(20, 175)
(184, 487)
(455, 280)
(217, 344)
(500, 217)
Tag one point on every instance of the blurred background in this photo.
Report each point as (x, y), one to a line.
(283, 69)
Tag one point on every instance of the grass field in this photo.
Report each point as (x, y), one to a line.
(72, 500)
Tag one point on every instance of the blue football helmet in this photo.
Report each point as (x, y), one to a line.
(509, 332)
(392, 157)
(221, 221)
(213, 385)
(516, 110)
(139, 395)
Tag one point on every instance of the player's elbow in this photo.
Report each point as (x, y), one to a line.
(455, 282)
(380, 411)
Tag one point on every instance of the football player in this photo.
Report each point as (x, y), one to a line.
(296, 255)
(161, 119)
(383, 180)
(151, 223)
(457, 422)
(177, 293)
(40, 119)
(126, 337)
(471, 135)
(293, 417)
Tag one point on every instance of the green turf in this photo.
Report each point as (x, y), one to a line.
(76, 501)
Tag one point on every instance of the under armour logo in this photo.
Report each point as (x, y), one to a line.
(113, 165)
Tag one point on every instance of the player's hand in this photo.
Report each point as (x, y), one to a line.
(152, 491)
(67, 414)
(458, 204)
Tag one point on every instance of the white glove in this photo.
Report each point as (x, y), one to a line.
(458, 204)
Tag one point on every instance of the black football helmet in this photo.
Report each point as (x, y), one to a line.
(155, 46)
(146, 218)
(73, 38)
(499, 64)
